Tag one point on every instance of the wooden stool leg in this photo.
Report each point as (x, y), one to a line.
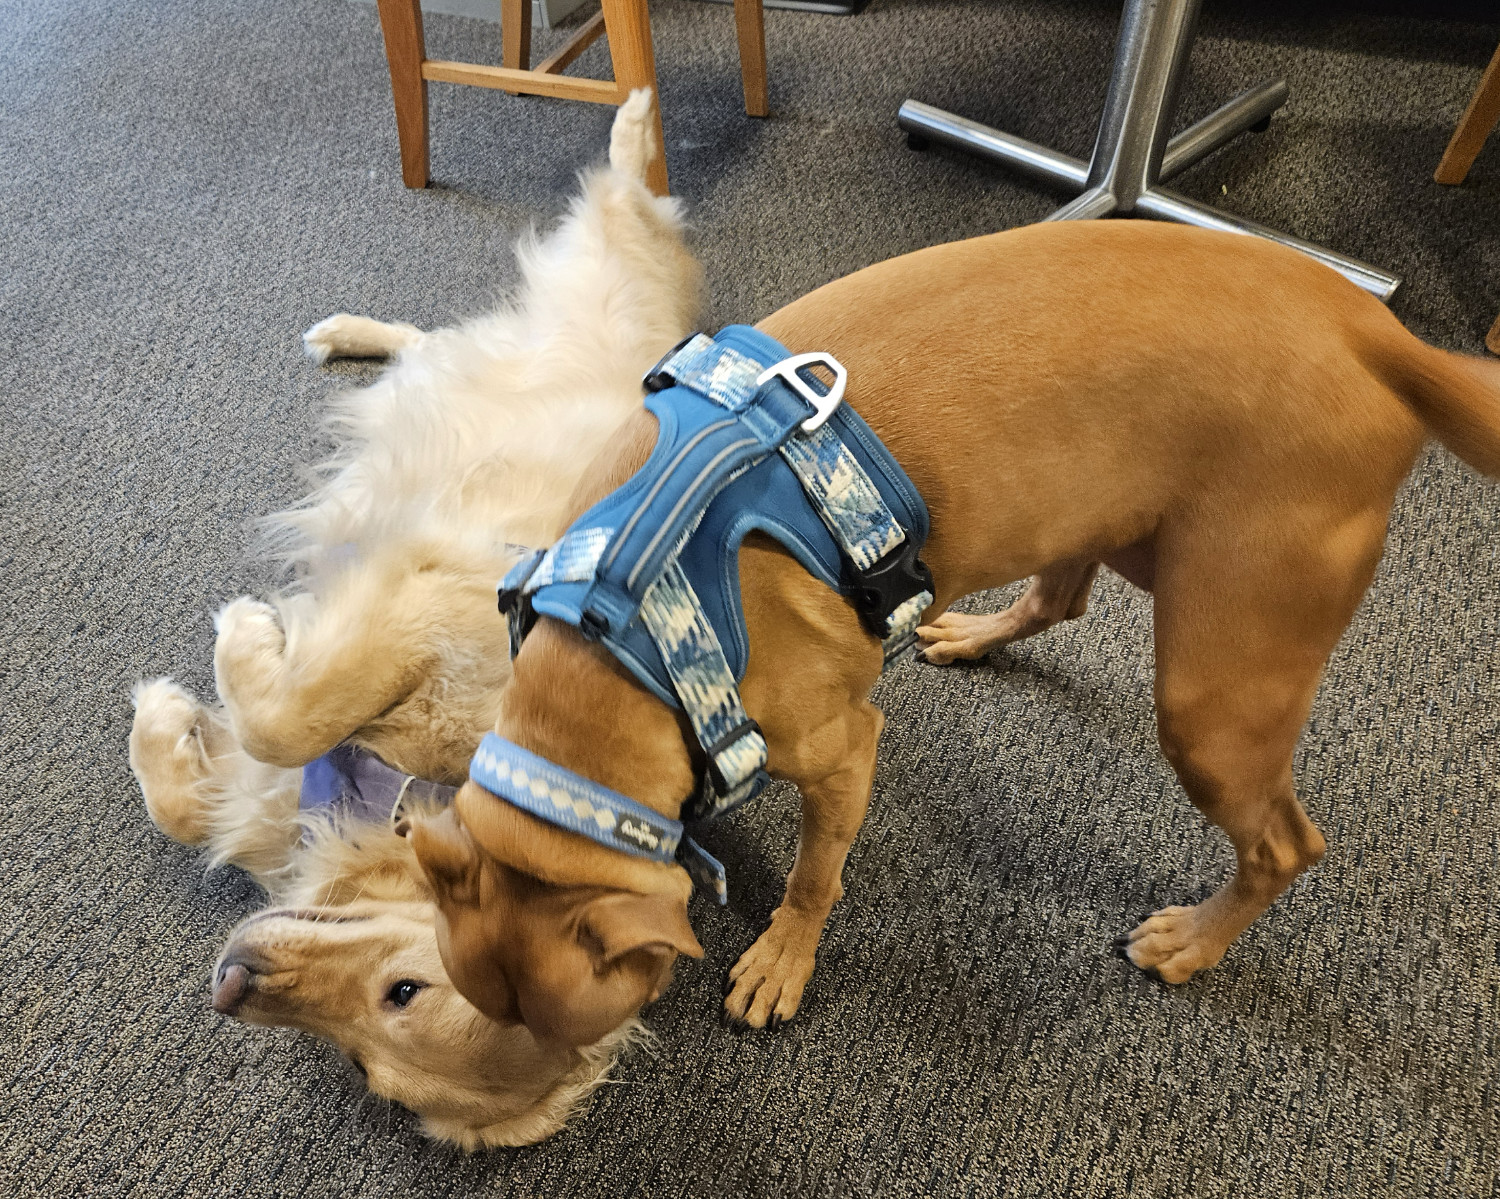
(750, 26)
(1473, 127)
(515, 35)
(628, 27)
(401, 22)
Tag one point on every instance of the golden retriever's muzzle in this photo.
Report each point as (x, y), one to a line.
(244, 961)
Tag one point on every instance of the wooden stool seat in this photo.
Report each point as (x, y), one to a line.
(626, 23)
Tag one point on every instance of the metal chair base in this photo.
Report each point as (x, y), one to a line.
(1132, 156)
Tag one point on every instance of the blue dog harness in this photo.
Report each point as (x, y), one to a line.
(749, 439)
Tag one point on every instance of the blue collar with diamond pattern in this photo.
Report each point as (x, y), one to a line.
(558, 796)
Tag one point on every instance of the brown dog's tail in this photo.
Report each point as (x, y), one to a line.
(1458, 398)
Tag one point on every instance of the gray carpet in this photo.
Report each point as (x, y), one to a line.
(185, 186)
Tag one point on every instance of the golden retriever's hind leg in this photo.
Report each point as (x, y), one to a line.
(1059, 593)
(632, 137)
(172, 742)
(345, 336)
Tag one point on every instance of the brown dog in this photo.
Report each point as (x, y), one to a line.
(1219, 419)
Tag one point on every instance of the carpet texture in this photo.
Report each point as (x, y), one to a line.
(187, 185)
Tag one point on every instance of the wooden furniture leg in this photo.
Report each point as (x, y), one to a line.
(629, 32)
(515, 35)
(750, 27)
(1473, 127)
(626, 23)
(401, 23)
(1492, 341)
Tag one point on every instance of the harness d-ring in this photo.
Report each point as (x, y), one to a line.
(823, 405)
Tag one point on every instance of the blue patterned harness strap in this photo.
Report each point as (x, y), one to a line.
(749, 439)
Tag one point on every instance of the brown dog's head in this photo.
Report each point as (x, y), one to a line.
(543, 926)
(368, 977)
(571, 963)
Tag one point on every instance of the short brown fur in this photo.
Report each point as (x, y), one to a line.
(1219, 419)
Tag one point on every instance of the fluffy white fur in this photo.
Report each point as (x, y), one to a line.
(470, 444)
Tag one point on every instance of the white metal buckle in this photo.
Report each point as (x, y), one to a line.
(823, 406)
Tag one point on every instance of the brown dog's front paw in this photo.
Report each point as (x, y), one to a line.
(1174, 944)
(766, 984)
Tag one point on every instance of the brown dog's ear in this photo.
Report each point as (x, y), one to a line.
(614, 925)
(448, 857)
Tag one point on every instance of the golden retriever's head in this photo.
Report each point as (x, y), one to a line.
(368, 977)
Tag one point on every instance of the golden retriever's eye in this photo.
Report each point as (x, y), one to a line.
(403, 992)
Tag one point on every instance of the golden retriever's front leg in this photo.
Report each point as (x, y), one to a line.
(768, 980)
(293, 694)
(201, 788)
(300, 678)
(173, 743)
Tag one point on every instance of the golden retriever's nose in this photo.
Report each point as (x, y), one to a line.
(232, 982)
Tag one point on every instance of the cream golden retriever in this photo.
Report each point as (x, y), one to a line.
(470, 444)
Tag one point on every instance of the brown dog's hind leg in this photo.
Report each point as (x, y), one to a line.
(766, 983)
(1274, 842)
(1244, 625)
(1059, 593)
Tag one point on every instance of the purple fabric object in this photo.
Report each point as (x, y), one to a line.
(350, 783)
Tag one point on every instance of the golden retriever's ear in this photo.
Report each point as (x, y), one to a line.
(614, 925)
(448, 857)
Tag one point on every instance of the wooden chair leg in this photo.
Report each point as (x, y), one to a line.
(628, 27)
(401, 23)
(1492, 341)
(1473, 127)
(750, 26)
(515, 35)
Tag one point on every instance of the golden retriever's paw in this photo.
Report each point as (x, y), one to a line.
(766, 984)
(345, 336)
(249, 646)
(249, 658)
(169, 760)
(1174, 944)
(632, 138)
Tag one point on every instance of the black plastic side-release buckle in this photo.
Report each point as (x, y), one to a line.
(657, 379)
(515, 605)
(720, 784)
(879, 591)
(520, 618)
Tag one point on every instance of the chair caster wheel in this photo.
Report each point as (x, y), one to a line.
(1261, 125)
(915, 141)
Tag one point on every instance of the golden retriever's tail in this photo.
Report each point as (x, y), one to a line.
(1458, 398)
(632, 138)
